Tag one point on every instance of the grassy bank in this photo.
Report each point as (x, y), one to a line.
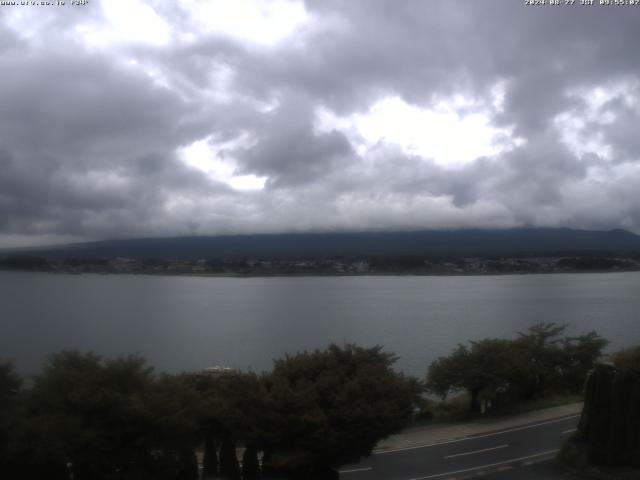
(456, 409)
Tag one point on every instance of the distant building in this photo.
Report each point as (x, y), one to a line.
(213, 372)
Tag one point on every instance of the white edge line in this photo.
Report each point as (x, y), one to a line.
(571, 430)
(516, 429)
(548, 452)
(353, 470)
(477, 451)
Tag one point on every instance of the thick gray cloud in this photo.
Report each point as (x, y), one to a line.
(109, 130)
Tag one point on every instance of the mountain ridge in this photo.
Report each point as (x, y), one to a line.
(467, 242)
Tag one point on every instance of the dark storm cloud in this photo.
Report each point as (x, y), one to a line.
(288, 150)
(78, 104)
(622, 134)
(81, 137)
(90, 136)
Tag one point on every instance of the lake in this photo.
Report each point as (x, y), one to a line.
(187, 323)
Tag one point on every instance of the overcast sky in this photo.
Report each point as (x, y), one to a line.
(153, 118)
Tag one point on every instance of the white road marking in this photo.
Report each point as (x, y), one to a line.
(515, 429)
(571, 430)
(353, 470)
(548, 452)
(477, 451)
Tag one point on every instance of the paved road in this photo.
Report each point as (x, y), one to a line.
(491, 455)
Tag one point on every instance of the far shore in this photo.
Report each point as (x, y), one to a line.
(324, 274)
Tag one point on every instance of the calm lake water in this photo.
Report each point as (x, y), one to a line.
(185, 323)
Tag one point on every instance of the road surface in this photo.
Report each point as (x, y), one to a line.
(491, 455)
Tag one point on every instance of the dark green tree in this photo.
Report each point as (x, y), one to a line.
(10, 386)
(448, 374)
(177, 410)
(628, 358)
(250, 465)
(110, 419)
(232, 406)
(609, 428)
(327, 408)
(499, 372)
(210, 458)
(11, 421)
(540, 348)
(487, 371)
(188, 465)
(580, 355)
(229, 466)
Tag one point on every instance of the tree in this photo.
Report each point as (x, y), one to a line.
(210, 457)
(176, 411)
(232, 404)
(111, 418)
(628, 358)
(487, 371)
(229, 467)
(542, 356)
(250, 465)
(580, 356)
(499, 371)
(447, 374)
(64, 410)
(188, 464)
(10, 419)
(327, 408)
(609, 428)
(10, 385)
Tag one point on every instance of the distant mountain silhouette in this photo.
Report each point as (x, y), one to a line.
(512, 242)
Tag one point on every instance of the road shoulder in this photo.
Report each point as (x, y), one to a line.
(441, 433)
